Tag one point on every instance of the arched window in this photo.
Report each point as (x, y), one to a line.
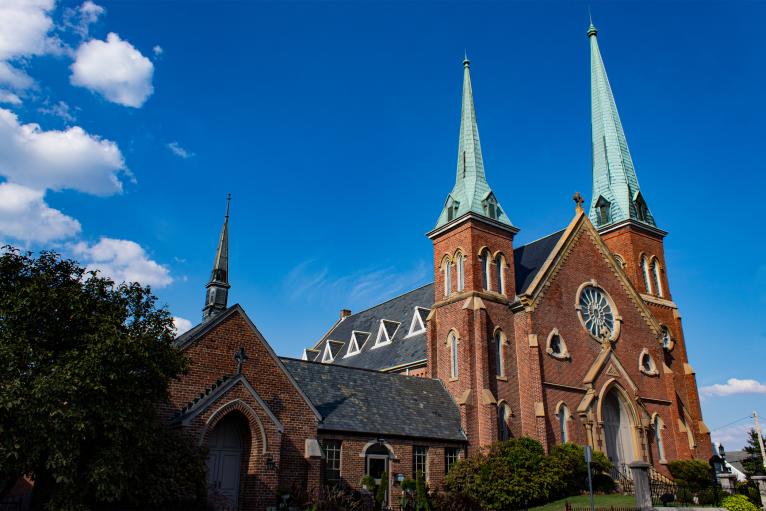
(500, 274)
(500, 353)
(619, 260)
(504, 421)
(460, 268)
(667, 338)
(486, 262)
(642, 212)
(658, 426)
(602, 211)
(563, 415)
(645, 272)
(447, 275)
(453, 355)
(656, 275)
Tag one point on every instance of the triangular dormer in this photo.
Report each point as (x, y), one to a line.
(418, 323)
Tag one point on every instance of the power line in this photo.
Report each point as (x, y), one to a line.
(732, 423)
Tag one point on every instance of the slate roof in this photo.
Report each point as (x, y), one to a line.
(373, 402)
(529, 258)
(403, 350)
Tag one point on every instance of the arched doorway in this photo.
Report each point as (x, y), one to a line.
(227, 444)
(618, 430)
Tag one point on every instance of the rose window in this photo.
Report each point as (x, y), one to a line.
(597, 313)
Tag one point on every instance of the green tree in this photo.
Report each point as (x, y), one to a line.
(567, 462)
(84, 363)
(753, 464)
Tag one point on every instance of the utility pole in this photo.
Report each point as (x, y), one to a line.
(760, 438)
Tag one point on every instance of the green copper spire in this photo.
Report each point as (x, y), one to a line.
(471, 193)
(616, 194)
(217, 294)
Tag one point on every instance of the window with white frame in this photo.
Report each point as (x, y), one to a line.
(358, 339)
(500, 273)
(500, 352)
(645, 273)
(420, 461)
(563, 416)
(328, 355)
(658, 427)
(486, 262)
(656, 275)
(418, 324)
(460, 269)
(504, 421)
(453, 355)
(451, 455)
(332, 461)
(386, 332)
(447, 276)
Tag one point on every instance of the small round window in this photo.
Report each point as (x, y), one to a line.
(596, 313)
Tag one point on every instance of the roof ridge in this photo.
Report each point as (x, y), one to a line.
(560, 231)
(364, 369)
(389, 300)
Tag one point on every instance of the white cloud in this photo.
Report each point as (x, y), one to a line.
(114, 69)
(734, 386)
(157, 50)
(24, 27)
(25, 216)
(123, 261)
(14, 78)
(56, 159)
(60, 110)
(179, 151)
(732, 437)
(79, 19)
(182, 324)
(9, 97)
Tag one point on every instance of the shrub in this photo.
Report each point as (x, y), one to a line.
(512, 475)
(738, 503)
(447, 501)
(567, 461)
(694, 474)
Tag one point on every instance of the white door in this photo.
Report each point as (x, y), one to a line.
(225, 460)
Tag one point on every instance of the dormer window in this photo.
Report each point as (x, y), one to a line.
(642, 212)
(603, 207)
(358, 339)
(452, 208)
(386, 332)
(418, 324)
(490, 207)
(327, 355)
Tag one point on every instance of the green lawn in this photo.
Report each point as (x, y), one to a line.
(583, 500)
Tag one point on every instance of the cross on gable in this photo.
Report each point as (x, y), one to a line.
(240, 357)
(578, 200)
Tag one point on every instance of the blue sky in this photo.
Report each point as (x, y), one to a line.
(334, 126)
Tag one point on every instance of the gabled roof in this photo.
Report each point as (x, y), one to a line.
(409, 350)
(373, 402)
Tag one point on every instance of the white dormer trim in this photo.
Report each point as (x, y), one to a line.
(417, 326)
(354, 348)
(383, 339)
(327, 356)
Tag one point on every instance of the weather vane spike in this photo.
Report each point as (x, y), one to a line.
(590, 17)
(466, 62)
(228, 203)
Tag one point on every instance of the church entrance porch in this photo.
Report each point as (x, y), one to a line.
(618, 428)
(227, 444)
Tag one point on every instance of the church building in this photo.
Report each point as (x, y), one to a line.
(574, 337)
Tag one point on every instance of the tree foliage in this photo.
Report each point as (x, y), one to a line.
(517, 473)
(738, 503)
(84, 363)
(692, 474)
(753, 464)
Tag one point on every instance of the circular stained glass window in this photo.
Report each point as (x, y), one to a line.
(597, 313)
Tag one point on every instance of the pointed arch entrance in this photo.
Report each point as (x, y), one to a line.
(619, 428)
(228, 448)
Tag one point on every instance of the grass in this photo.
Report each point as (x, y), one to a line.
(583, 500)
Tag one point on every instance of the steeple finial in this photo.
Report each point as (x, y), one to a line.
(591, 28)
(466, 62)
(471, 192)
(216, 297)
(616, 194)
